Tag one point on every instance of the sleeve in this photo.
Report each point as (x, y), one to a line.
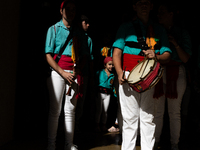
(97, 78)
(113, 87)
(111, 52)
(165, 47)
(198, 57)
(90, 44)
(50, 40)
(120, 38)
(186, 42)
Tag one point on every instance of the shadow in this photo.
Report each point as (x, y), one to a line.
(31, 104)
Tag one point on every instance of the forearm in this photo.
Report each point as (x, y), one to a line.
(163, 58)
(53, 64)
(182, 54)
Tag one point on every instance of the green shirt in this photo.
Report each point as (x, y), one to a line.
(127, 32)
(182, 37)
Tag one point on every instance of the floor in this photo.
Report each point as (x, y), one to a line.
(87, 139)
(98, 141)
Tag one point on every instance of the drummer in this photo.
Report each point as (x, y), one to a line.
(138, 108)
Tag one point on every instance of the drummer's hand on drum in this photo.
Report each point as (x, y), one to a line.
(150, 53)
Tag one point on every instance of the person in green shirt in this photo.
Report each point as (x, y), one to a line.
(105, 80)
(62, 76)
(174, 78)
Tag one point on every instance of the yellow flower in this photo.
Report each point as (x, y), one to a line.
(151, 42)
(104, 51)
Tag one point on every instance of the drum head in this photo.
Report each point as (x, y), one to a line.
(136, 75)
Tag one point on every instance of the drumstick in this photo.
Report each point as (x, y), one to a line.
(145, 68)
(143, 63)
(124, 72)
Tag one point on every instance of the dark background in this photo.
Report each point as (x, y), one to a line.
(36, 18)
(30, 100)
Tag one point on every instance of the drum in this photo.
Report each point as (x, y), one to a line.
(145, 75)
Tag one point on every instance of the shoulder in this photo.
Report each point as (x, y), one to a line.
(125, 29)
(126, 25)
(100, 71)
(181, 30)
(100, 74)
(89, 39)
(157, 27)
(58, 24)
(55, 26)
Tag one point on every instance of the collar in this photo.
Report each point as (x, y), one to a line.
(62, 25)
(141, 24)
(111, 74)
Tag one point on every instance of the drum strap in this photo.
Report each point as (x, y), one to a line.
(141, 44)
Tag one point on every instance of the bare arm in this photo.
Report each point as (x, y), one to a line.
(66, 75)
(163, 58)
(182, 54)
(184, 57)
(117, 57)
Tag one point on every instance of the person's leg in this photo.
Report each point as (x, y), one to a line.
(69, 111)
(160, 110)
(148, 108)
(106, 102)
(158, 120)
(130, 113)
(56, 87)
(119, 114)
(174, 108)
(99, 105)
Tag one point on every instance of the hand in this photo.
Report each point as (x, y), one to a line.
(172, 40)
(69, 77)
(150, 53)
(122, 78)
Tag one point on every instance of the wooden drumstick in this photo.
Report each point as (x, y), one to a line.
(143, 63)
(124, 72)
(145, 68)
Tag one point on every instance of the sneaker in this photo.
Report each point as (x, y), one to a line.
(174, 147)
(51, 147)
(74, 147)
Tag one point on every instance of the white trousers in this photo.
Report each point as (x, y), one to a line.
(137, 109)
(174, 109)
(57, 86)
(102, 103)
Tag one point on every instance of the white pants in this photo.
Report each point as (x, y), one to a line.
(102, 103)
(57, 86)
(137, 109)
(174, 109)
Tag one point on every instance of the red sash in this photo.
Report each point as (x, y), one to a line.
(65, 62)
(130, 61)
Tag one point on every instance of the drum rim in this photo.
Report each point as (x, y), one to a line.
(151, 86)
(159, 77)
(146, 74)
